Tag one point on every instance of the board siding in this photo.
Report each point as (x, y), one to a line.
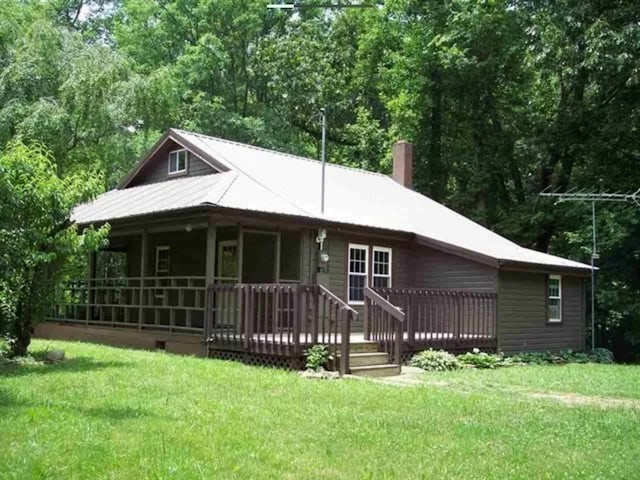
(436, 269)
(523, 318)
(157, 168)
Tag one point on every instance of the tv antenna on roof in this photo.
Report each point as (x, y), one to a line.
(575, 196)
(301, 6)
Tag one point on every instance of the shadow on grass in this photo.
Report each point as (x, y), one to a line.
(74, 364)
(10, 401)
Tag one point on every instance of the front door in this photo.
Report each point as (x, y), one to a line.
(259, 257)
(227, 271)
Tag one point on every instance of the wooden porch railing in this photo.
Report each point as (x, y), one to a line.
(384, 323)
(445, 318)
(278, 319)
(167, 303)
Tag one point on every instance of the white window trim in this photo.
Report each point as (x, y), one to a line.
(357, 246)
(158, 250)
(373, 259)
(559, 297)
(186, 162)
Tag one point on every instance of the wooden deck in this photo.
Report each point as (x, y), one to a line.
(276, 320)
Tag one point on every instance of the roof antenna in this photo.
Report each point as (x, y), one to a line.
(323, 156)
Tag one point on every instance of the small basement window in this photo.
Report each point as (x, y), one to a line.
(177, 161)
(358, 260)
(554, 300)
(381, 267)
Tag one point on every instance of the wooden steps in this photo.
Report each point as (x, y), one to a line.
(386, 370)
(366, 360)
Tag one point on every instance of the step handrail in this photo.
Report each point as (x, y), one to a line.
(373, 299)
(350, 315)
(386, 305)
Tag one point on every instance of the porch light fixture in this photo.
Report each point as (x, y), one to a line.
(322, 236)
(188, 228)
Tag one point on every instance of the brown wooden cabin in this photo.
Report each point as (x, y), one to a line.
(218, 249)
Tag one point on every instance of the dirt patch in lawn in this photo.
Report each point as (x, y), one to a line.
(574, 399)
(413, 377)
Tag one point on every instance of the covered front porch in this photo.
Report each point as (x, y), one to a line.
(252, 292)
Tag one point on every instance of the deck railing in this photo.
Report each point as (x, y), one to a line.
(166, 303)
(278, 319)
(446, 318)
(384, 323)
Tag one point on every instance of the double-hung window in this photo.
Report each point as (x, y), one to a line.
(357, 278)
(381, 267)
(554, 298)
(177, 162)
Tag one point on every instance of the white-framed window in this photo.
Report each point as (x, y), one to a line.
(554, 298)
(177, 161)
(163, 260)
(381, 277)
(357, 277)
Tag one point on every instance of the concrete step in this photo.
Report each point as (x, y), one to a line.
(368, 358)
(363, 347)
(386, 370)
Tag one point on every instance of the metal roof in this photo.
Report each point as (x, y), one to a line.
(267, 181)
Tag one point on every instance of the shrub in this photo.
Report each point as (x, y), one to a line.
(4, 348)
(479, 359)
(598, 355)
(601, 355)
(317, 356)
(435, 361)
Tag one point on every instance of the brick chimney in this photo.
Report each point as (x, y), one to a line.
(403, 163)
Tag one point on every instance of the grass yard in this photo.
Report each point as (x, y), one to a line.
(120, 414)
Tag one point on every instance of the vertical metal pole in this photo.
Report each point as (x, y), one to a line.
(323, 156)
(593, 276)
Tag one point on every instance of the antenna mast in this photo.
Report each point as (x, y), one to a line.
(593, 197)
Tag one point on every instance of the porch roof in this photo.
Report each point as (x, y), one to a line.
(267, 181)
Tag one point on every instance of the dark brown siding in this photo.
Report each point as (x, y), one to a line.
(157, 168)
(337, 245)
(436, 269)
(522, 324)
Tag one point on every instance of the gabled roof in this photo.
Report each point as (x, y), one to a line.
(261, 180)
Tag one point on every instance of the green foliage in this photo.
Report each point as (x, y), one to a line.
(479, 359)
(317, 356)
(501, 100)
(435, 361)
(4, 348)
(37, 236)
(598, 355)
(70, 416)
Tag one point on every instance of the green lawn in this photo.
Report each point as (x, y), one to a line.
(115, 413)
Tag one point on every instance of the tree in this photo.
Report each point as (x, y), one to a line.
(38, 239)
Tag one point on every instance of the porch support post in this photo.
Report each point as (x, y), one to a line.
(240, 252)
(210, 274)
(90, 292)
(144, 240)
(278, 253)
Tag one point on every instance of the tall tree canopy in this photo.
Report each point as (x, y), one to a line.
(502, 99)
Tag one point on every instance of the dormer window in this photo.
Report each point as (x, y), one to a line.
(177, 162)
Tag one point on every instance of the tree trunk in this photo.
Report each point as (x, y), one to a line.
(21, 330)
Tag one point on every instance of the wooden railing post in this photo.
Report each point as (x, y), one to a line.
(297, 318)
(398, 346)
(367, 320)
(345, 342)
(411, 319)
